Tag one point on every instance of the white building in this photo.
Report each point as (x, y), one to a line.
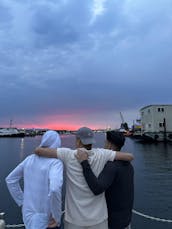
(156, 122)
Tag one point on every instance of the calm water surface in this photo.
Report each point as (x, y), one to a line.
(153, 177)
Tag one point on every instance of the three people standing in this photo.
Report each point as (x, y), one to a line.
(82, 208)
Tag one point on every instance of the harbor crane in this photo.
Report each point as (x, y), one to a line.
(124, 124)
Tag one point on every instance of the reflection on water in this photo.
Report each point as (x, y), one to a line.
(153, 176)
(22, 149)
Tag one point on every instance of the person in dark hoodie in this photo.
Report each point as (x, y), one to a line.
(116, 179)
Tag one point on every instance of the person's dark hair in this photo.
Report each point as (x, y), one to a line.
(116, 138)
(88, 147)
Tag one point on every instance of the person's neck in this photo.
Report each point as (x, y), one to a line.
(114, 148)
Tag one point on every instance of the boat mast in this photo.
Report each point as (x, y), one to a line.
(11, 123)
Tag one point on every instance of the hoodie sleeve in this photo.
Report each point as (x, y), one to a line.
(12, 181)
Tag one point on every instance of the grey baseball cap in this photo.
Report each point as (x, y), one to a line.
(86, 135)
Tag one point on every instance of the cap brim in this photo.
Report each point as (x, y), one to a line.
(87, 141)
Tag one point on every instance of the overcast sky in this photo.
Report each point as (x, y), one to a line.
(72, 63)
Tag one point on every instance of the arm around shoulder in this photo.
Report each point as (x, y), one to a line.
(46, 152)
(124, 156)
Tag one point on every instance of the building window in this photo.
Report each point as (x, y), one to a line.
(148, 110)
(161, 124)
(160, 109)
(149, 125)
(142, 113)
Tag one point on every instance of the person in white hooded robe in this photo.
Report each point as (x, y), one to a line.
(41, 197)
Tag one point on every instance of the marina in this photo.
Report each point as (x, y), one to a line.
(154, 125)
(101, 64)
(153, 178)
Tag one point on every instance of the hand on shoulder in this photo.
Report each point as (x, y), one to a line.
(82, 154)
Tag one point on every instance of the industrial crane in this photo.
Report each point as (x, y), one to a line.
(124, 125)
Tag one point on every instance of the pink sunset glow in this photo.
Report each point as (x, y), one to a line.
(58, 122)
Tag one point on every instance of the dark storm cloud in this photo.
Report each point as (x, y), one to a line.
(63, 24)
(50, 30)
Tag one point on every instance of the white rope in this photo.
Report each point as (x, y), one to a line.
(14, 225)
(151, 217)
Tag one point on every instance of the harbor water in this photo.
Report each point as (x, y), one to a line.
(153, 177)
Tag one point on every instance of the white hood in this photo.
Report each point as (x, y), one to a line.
(51, 139)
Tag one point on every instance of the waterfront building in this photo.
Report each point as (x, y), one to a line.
(156, 122)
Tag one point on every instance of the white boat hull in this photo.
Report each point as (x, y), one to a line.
(11, 132)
